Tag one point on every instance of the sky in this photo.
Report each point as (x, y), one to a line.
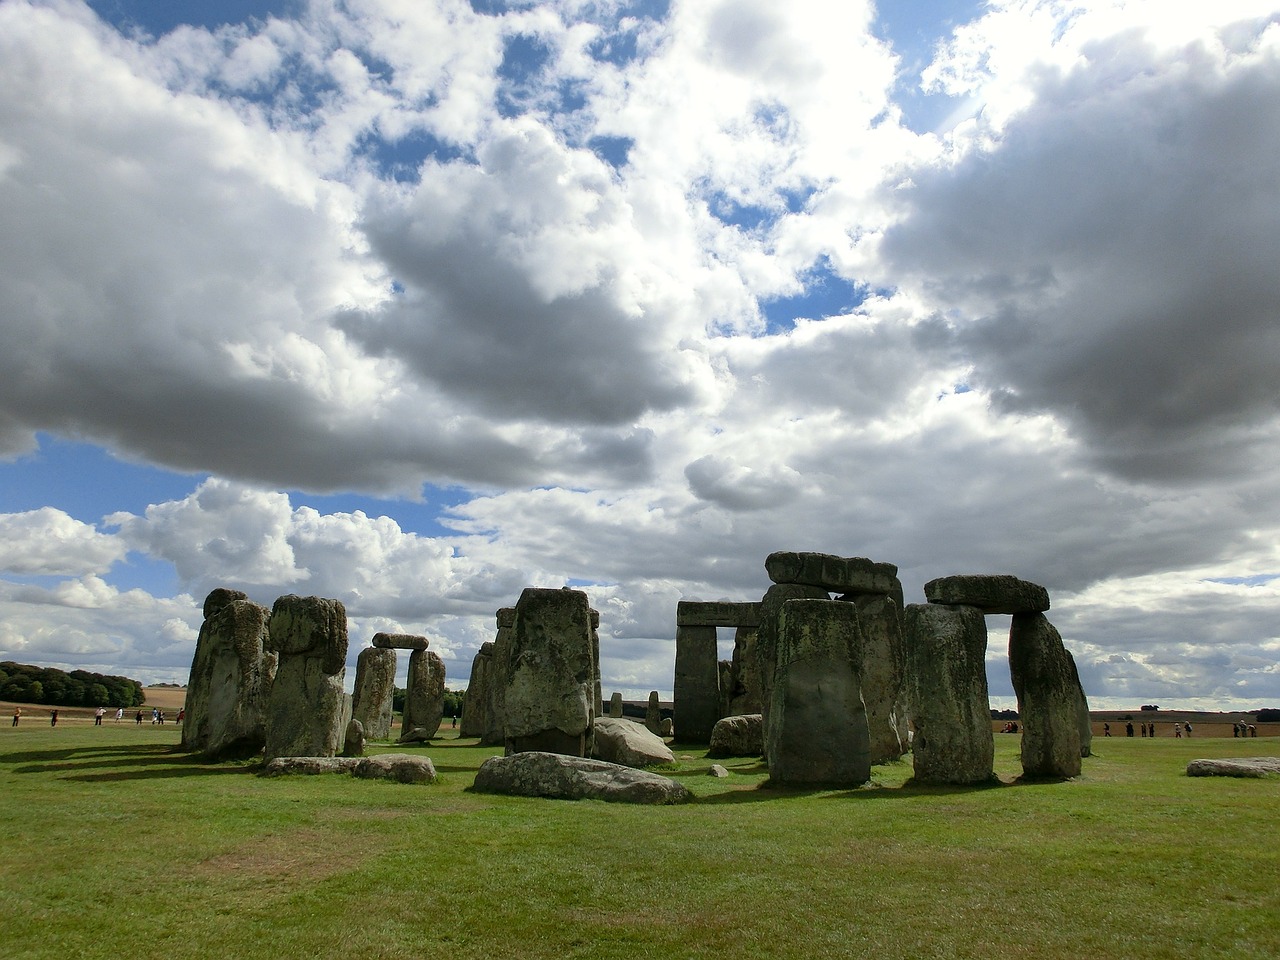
(416, 303)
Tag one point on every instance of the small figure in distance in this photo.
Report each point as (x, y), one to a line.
(182, 712)
(53, 718)
(119, 714)
(1187, 727)
(1106, 729)
(1177, 730)
(138, 718)
(17, 715)
(1128, 729)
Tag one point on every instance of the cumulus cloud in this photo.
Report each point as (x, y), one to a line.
(49, 542)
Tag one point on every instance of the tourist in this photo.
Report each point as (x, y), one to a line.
(1106, 729)
(1177, 730)
(1128, 729)
(119, 714)
(138, 718)
(17, 715)
(98, 715)
(1187, 727)
(53, 718)
(181, 713)
(155, 715)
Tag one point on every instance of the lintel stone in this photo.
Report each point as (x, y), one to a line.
(831, 573)
(400, 641)
(717, 613)
(990, 593)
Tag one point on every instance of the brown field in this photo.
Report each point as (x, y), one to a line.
(168, 699)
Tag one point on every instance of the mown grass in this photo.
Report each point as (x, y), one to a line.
(113, 843)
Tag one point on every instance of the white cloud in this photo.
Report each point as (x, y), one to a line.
(49, 542)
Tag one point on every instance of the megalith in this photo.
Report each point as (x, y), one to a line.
(231, 678)
(615, 706)
(374, 694)
(743, 695)
(696, 691)
(499, 677)
(551, 683)
(653, 714)
(1083, 720)
(881, 672)
(423, 697)
(766, 645)
(475, 704)
(816, 732)
(990, 593)
(307, 711)
(1048, 692)
(947, 681)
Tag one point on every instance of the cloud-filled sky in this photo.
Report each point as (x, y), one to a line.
(415, 304)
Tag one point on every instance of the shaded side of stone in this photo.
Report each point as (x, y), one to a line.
(561, 777)
(1048, 698)
(951, 711)
(475, 704)
(817, 727)
(552, 682)
(881, 672)
(423, 697)
(373, 698)
(766, 643)
(653, 713)
(990, 593)
(833, 574)
(1083, 721)
(500, 676)
(697, 683)
(743, 695)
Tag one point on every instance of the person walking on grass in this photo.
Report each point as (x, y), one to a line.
(119, 714)
(17, 715)
(98, 715)
(53, 718)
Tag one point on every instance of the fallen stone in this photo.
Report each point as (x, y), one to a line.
(400, 767)
(561, 777)
(833, 574)
(308, 766)
(628, 743)
(718, 771)
(400, 641)
(1234, 767)
(990, 593)
(741, 736)
(717, 613)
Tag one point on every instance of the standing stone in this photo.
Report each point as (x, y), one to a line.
(766, 645)
(374, 695)
(231, 677)
(653, 714)
(1048, 698)
(724, 673)
(881, 672)
(475, 704)
(666, 728)
(1083, 720)
(946, 673)
(353, 743)
(423, 697)
(596, 700)
(552, 682)
(817, 727)
(500, 676)
(697, 684)
(305, 715)
(615, 706)
(744, 673)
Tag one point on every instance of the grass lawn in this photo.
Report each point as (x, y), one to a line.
(114, 844)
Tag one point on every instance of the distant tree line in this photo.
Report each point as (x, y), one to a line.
(22, 683)
(452, 702)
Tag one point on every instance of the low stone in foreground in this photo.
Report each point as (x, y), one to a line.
(561, 777)
(741, 736)
(631, 744)
(1234, 767)
(400, 767)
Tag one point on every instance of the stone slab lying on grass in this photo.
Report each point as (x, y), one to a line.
(741, 736)
(561, 777)
(1234, 767)
(400, 767)
(628, 743)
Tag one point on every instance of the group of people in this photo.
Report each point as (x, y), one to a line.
(1149, 729)
(157, 716)
(1243, 729)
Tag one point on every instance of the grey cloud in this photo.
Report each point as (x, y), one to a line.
(738, 487)
(1112, 261)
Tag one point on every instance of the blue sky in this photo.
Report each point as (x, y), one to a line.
(418, 307)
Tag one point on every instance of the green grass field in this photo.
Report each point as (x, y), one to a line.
(114, 844)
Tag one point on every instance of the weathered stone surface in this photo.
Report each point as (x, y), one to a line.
(717, 771)
(1235, 767)
(615, 705)
(833, 574)
(374, 694)
(538, 774)
(990, 593)
(475, 703)
(618, 740)
(231, 678)
(400, 641)
(308, 710)
(423, 697)
(697, 683)
(1084, 723)
(308, 766)
(881, 672)
(947, 678)
(717, 613)
(353, 742)
(817, 727)
(552, 684)
(766, 644)
(653, 714)
(1048, 697)
(500, 676)
(595, 672)
(743, 693)
(666, 728)
(399, 767)
(741, 736)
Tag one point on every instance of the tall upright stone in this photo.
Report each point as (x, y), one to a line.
(743, 696)
(881, 672)
(231, 677)
(1083, 720)
(475, 704)
(423, 697)
(500, 676)
(766, 645)
(946, 674)
(597, 701)
(653, 714)
(552, 682)
(374, 695)
(615, 706)
(697, 684)
(308, 710)
(817, 728)
(1048, 692)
